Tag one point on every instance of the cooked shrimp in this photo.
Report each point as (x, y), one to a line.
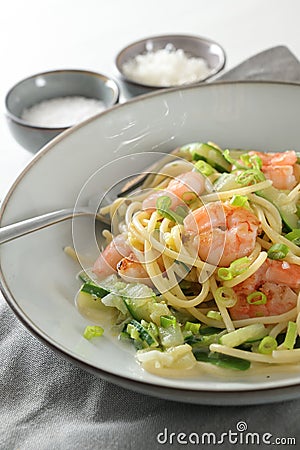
(279, 168)
(189, 182)
(287, 158)
(132, 271)
(276, 279)
(225, 232)
(282, 272)
(106, 263)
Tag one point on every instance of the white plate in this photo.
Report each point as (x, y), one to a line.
(38, 279)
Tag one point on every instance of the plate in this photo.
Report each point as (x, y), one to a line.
(38, 279)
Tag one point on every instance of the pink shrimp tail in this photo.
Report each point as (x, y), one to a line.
(106, 263)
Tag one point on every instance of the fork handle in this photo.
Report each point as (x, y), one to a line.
(15, 230)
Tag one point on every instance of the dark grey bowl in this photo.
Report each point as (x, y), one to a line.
(47, 85)
(195, 46)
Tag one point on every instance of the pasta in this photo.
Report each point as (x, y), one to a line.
(206, 265)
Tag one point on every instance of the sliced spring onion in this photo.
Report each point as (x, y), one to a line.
(182, 211)
(153, 328)
(168, 321)
(236, 267)
(267, 345)
(204, 168)
(189, 197)
(257, 298)
(193, 327)
(163, 204)
(239, 200)
(235, 162)
(132, 331)
(91, 332)
(216, 315)
(225, 273)
(250, 176)
(245, 158)
(240, 265)
(252, 161)
(226, 296)
(291, 335)
(294, 236)
(278, 251)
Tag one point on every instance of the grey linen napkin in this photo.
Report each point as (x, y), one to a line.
(46, 403)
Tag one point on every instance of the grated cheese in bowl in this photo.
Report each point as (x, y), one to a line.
(165, 67)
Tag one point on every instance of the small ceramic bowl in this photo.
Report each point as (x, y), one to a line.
(193, 46)
(49, 85)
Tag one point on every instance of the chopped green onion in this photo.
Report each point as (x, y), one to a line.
(193, 327)
(291, 335)
(188, 197)
(250, 176)
(231, 160)
(204, 168)
(256, 162)
(240, 265)
(252, 162)
(163, 204)
(225, 273)
(267, 345)
(153, 328)
(236, 268)
(245, 158)
(294, 236)
(168, 321)
(257, 298)
(239, 200)
(92, 332)
(132, 331)
(278, 251)
(182, 211)
(226, 296)
(216, 315)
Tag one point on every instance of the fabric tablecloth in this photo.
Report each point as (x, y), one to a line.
(47, 403)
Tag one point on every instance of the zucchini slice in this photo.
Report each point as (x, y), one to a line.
(210, 154)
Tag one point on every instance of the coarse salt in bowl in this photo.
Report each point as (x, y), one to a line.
(62, 111)
(171, 60)
(40, 107)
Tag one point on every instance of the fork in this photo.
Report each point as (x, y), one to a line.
(26, 226)
(18, 229)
